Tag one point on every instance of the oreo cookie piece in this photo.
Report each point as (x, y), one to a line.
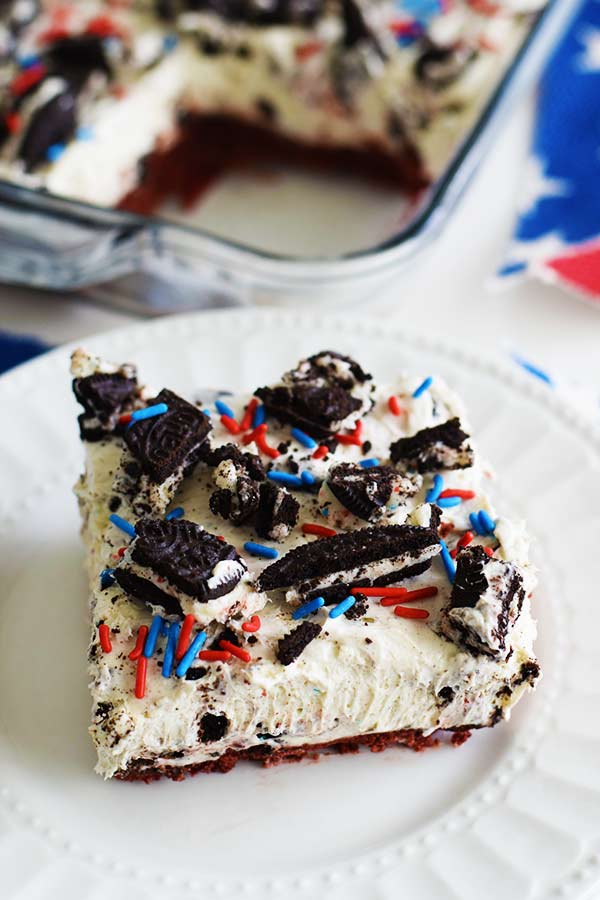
(293, 644)
(367, 555)
(485, 603)
(194, 563)
(237, 476)
(251, 463)
(323, 394)
(367, 492)
(53, 122)
(277, 512)
(170, 443)
(77, 56)
(438, 67)
(444, 446)
(104, 398)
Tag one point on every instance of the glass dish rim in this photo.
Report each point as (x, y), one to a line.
(75, 211)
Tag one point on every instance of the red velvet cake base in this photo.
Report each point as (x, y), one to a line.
(208, 147)
(415, 740)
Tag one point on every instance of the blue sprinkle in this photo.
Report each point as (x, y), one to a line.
(307, 608)
(223, 409)
(304, 439)
(29, 60)
(324, 511)
(307, 478)
(152, 636)
(434, 492)
(393, 507)
(207, 412)
(475, 524)
(176, 513)
(170, 41)
(260, 414)
(54, 152)
(447, 502)
(512, 268)
(84, 133)
(106, 578)
(285, 478)
(369, 463)
(449, 564)
(260, 550)
(123, 524)
(190, 655)
(148, 413)
(486, 522)
(167, 666)
(533, 370)
(425, 385)
(341, 608)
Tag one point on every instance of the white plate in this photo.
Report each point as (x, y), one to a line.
(514, 813)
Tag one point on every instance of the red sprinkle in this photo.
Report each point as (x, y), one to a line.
(27, 79)
(13, 122)
(379, 591)
(139, 644)
(319, 530)
(52, 34)
(418, 594)
(230, 424)
(262, 445)
(125, 419)
(140, 676)
(455, 492)
(235, 651)
(248, 414)
(392, 601)
(184, 636)
(103, 26)
(305, 51)
(394, 406)
(409, 612)
(214, 655)
(488, 550)
(463, 542)
(253, 624)
(354, 438)
(121, 552)
(255, 434)
(320, 452)
(104, 635)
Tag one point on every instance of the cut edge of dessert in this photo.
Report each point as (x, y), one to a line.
(314, 567)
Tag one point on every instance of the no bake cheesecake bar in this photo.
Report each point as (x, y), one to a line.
(312, 567)
(133, 102)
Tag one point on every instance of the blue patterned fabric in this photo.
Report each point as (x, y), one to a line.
(557, 235)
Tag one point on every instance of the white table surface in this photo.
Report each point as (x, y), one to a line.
(447, 291)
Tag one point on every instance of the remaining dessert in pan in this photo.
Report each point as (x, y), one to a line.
(312, 567)
(130, 103)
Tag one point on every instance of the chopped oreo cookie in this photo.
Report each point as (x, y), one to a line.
(170, 443)
(359, 608)
(277, 512)
(323, 394)
(238, 477)
(485, 603)
(444, 446)
(104, 397)
(367, 492)
(212, 727)
(438, 67)
(293, 644)
(193, 561)
(366, 554)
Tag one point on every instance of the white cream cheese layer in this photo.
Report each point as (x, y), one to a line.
(376, 673)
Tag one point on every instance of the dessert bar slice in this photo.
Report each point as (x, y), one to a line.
(311, 567)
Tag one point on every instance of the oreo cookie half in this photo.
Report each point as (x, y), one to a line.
(444, 446)
(485, 603)
(277, 512)
(194, 563)
(170, 442)
(363, 556)
(366, 492)
(320, 395)
(104, 398)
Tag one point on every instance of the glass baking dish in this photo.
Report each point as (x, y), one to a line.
(340, 239)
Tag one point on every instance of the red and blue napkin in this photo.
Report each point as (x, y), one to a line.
(557, 236)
